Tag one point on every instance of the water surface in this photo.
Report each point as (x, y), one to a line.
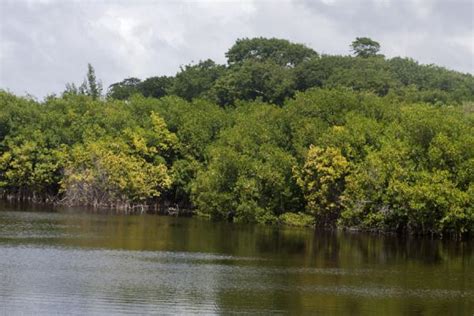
(79, 262)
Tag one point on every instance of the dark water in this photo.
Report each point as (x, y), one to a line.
(70, 262)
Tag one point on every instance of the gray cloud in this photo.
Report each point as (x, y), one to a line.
(46, 43)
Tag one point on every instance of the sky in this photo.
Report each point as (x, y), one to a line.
(45, 44)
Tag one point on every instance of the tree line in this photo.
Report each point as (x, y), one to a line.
(275, 69)
(280, 134)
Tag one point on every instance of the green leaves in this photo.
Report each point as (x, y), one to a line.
(195, 81)
(254, 79)
(249, 173)
(28, 165)
(279, 135)
(281, 52)
(109, 170)
(274, 70)
(365, 47)
(106, 172)
(322, 180)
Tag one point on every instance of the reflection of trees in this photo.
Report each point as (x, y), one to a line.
(242, 267)
(381, 249)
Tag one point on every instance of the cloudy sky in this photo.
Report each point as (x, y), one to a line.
(47, 43)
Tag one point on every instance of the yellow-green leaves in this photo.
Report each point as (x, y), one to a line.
(105, 172)
(29, 165)
(345, 157)
(111, 171)
(322, 180)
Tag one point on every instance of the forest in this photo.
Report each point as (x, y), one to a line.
(280, 135)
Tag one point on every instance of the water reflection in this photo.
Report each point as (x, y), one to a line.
(83, 262)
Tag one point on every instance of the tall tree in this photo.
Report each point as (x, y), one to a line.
(124, 89)
(279, 51)
(156, 87)
(365, 47)
(194, 81)
(94, 87)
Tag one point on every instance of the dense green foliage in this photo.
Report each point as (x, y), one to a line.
(279, 135)
(275, 69)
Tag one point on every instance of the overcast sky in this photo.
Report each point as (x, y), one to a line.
(46, 43)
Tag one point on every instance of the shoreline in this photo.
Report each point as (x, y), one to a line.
(161, 210)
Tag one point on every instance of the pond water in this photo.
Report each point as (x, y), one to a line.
(79, 262)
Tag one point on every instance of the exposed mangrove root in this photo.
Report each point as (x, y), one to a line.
(163, 207)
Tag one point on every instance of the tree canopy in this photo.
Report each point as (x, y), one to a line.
(275, 69)
(279, 51)
(334, 141)
(365, 47)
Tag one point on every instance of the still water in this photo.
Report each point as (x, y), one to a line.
(78, 262)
